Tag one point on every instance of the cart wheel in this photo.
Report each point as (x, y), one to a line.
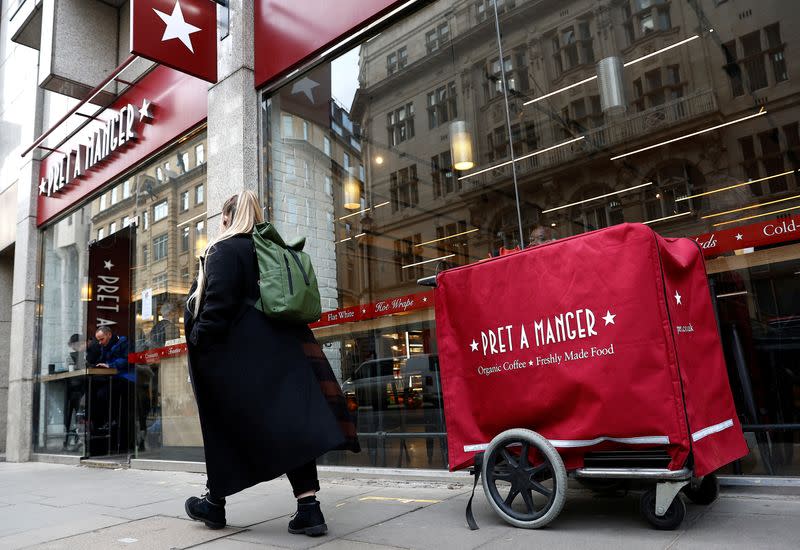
(669, 521)
(508, 474)
(706, 492)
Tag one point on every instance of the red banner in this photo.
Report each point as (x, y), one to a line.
(157, 354)
(381, 308)
(747, 236)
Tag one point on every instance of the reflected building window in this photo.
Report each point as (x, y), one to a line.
(160, 211)
(442, 105)
(160, 247)
(400, 124)
(200, 154)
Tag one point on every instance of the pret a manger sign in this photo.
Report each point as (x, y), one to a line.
(119, 130)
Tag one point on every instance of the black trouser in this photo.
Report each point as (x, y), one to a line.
(304, 478)
(75, 391)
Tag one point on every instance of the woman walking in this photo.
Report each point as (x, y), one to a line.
(268, 401)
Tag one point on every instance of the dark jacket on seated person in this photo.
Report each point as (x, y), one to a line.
(115, 355)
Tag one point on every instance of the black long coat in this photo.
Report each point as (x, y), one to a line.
(267, 397)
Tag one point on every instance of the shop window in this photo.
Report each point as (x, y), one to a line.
(651, 16)
(200, 154)
(184, 201)
(160, 247)
(396, 60)
(437, 38)
(484, 9)
(753, 62)
(443, 176)
(408, 255)
(452, 239)
(442, 105)
(775, 52)
(404, 188)
(160, 211)
(400, 124)
(160, 281)
(515, 73)
(199, 194)
(772, 159)
(572, 47)
(185, 232)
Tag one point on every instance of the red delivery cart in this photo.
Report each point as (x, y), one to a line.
(596, 356)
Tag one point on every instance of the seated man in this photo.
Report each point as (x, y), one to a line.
(114, 355)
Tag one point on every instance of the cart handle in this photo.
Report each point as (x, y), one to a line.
(427, 281)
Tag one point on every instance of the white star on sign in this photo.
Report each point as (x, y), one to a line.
(677, 298)
(305, 86)
(108, 265)
(43, 187)
(177, 27)
(424, 299)
(474, 345)
(144, 111)
(739, 236)
(609, 318)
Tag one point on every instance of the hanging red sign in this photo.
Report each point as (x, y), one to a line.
(109, 285)
(157, 354)
(748, 236)
(181, 34)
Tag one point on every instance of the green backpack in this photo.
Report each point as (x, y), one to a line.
(287, 283)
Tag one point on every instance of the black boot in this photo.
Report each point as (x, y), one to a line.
(210, 512)
(308, 520)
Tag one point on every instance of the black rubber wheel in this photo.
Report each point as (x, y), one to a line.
(509, 474)
(669, 521)
(705, 492)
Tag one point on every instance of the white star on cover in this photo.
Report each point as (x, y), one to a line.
(677, 298)
(530, 363)
(305, 86)
(177, 27)
(474, 345)
(424, 299)
(739, 236)
(609, 318)
(108, 265)
(144, 110)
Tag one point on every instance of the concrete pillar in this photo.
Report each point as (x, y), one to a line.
(6, 284)
(233, 116)
(23, 342)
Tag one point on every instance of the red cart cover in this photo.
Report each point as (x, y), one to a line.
(602, 341)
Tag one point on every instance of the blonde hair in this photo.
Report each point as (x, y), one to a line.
(243, 212)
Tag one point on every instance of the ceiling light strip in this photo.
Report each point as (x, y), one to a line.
(662, 50)
(428, 261)
(564, 89)
(450, 237)
(761, 112)
(752, 206)
(758, 215)
(529, 155)
(734, 186)
(731, 294)
(667, 218)
(362, 211)
(597, 197)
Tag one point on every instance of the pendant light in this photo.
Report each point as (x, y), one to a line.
(461, 145)
(352, 192)
(610, 84)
